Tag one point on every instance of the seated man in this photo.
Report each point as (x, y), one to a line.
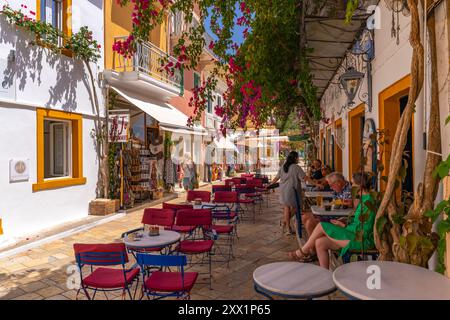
(342, 190)
(322, 184)
(315, 172)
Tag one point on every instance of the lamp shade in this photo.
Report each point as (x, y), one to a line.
(351, 81)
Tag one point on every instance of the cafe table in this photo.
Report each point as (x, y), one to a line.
(387, 280)
(163, 240)
(315, 194)
(293, 280)
(333, 213)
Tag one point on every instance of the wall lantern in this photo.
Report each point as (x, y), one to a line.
(351, 81)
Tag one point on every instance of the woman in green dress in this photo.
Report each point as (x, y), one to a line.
(336, 235)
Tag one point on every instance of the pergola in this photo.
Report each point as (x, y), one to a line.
(331, 38)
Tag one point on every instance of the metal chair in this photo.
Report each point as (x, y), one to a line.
(101, 278)
(162, 284)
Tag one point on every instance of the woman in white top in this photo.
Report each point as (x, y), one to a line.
(189, 172)
(290, 176)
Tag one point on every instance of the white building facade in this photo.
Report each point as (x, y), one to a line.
(48, 160)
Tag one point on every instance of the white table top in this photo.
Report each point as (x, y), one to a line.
(318, 211)
(314, 194)
(399, 281)
(165, 238)
(294, 279)
(210, 205)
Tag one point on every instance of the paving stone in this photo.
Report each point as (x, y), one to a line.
(41, 273)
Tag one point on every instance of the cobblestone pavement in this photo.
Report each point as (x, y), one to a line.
(43, 272)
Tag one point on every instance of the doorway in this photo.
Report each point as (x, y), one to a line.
(408, 184)
(393, 101)
(356, 118)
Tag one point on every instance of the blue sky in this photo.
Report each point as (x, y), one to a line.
(238, 30)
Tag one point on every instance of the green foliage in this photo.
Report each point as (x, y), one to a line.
(352, 5)
(442, 210)
(81, 44)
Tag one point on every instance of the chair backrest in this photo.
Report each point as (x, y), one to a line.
(109, 254)
(194, 218)
(160, 260)
(220, 188)
(247, 175)
(298, 213)
(176, 207)
(255, 183)
(226, 197)
(239, 180)
(229, 182)
(245, 189)
(159, 217)
(196, 194)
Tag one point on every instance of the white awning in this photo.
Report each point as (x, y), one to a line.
(224, 143)
(169, 117)
(185, 131)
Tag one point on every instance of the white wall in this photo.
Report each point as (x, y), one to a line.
(43, 79)
(393, 62)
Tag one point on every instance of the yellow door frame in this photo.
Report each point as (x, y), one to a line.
(389, 98)
(357, 111)
(337, 151)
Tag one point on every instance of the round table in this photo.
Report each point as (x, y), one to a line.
(293, 280)
(315, 194)
(397, 281)
(321, 212)
(165, 238)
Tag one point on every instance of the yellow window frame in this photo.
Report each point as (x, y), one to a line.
(67, 15)
(77, 150)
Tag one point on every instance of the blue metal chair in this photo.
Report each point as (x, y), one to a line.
(162, 284)
(101, 278)
(298, 213)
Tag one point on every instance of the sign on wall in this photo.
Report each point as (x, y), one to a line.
(118, 127)
(19, 170)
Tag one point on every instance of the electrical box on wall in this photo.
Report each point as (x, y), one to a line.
(19, 170)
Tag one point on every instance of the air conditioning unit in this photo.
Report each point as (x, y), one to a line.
(19, 170)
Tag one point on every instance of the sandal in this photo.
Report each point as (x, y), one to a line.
(305, 258)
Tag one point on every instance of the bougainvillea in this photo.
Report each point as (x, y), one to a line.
(266, 76)
(81, 44)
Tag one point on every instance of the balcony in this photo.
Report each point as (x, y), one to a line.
(143, 72)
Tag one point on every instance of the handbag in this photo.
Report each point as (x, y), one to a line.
(273, 186)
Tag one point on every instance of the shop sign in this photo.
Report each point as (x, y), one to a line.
(118, 127)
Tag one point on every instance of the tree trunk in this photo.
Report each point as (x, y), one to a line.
(425, 196)
(416, 225)
(100, 140)
(401, 133)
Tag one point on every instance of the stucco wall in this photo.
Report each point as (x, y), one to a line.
(43, 79)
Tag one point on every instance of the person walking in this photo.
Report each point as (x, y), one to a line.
(189, 172)
(290, 175)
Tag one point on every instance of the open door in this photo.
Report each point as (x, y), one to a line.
(356, 119)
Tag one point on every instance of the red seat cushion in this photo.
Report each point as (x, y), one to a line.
(171, 281)
(181, 229)
(252, 195)
(110, 278)
(192, 246)
(222, 228)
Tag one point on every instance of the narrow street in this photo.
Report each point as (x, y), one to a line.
(43, 272)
